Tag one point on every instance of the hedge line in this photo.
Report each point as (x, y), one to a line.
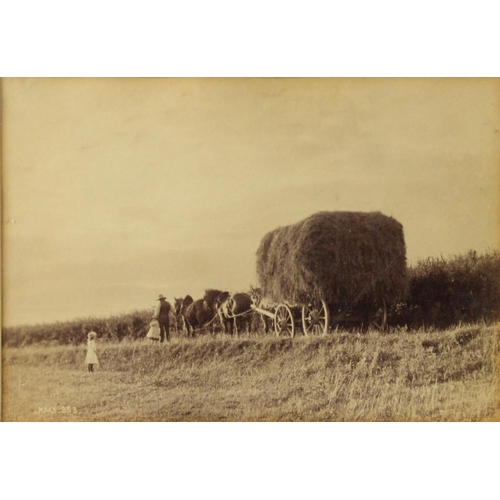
(444, 292)
(132, 325)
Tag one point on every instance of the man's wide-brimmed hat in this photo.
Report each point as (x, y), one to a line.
(92, 334)
(161, 297)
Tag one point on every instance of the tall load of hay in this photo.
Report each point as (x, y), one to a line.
(341, 257)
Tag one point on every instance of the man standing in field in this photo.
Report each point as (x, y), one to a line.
(162, 313)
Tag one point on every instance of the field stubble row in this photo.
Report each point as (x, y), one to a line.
(343, 376)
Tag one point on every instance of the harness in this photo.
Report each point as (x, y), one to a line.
(231, 316)
(244, 313)
(185, 310)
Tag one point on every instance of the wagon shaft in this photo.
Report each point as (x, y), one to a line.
(265, 312)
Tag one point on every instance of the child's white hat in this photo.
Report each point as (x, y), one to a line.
(92, 334)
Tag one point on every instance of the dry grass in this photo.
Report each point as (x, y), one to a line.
(436, 376)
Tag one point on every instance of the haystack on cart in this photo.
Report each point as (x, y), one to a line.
(333, 268)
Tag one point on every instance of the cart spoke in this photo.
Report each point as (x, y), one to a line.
(315, 318)
(284, 322)
(379, 319)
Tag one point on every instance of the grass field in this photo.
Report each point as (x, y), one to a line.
(449, 375)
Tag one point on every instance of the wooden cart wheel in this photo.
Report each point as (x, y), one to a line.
(315, 318)
(379, 319)
(283, 321)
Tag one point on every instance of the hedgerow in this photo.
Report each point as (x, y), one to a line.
(445, 292)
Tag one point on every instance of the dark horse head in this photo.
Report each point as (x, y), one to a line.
(180, 305)
(214, 298)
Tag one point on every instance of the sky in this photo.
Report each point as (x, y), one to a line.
(117, 190)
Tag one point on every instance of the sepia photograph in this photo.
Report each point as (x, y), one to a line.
(250, 249)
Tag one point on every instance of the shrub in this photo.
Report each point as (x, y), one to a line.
(132, 325)
(444, 292)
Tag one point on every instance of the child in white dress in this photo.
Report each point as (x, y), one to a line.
(91, 359)
(154, 331)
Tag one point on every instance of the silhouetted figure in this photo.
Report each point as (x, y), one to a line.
(162, 314)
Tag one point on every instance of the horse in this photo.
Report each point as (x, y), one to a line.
(181, 308)
(256, 296)
(197, 313)
(235, 311)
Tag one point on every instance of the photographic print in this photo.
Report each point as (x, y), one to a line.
(250, 249)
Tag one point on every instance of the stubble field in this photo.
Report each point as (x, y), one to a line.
(449, 375)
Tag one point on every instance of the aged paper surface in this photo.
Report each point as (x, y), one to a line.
(118, 190)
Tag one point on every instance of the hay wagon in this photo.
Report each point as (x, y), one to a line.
(332, 269)
(317, 317)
